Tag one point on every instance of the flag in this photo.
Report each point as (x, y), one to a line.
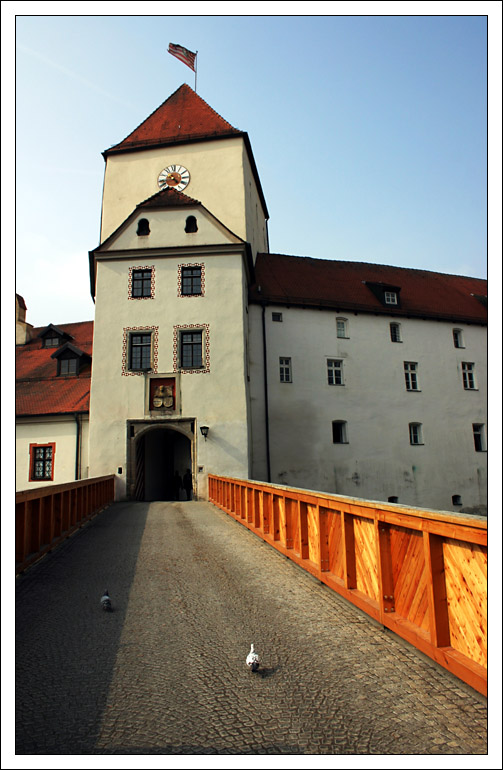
(183, 54)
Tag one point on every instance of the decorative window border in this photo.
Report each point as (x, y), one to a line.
(191, 264)
(32, 448)
(130, 282)
(205, 328)
(125, 345)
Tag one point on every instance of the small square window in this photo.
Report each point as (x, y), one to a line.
(277, 317)
(391, 297)
(285, 370)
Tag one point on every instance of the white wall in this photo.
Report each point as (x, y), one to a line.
(45, 430)
(378, 461)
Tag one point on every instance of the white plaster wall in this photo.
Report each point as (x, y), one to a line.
(219, 175)
(217, 398)
(378, 461)
(62, 431)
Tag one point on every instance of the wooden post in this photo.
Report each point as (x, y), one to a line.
(303, 529)
(437, 593)
(348, 545)
(323, 529)
(289, 504)
(276, 513)
(384, 569)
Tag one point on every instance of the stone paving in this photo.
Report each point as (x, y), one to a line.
(165, 672)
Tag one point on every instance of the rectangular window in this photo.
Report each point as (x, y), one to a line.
(457, 336)
(468, 375)
(277, 317)
(410, 371)
(334, 372)
(51, 342)
(140, 351)
(479, 437)
(42, 462)
(339, 432)
(285, 369)
(415, 433)
(191, 350)
(394, 331)
(141, 284)
(390, 297)
(191, 281)
(68, 366)
(342, 328)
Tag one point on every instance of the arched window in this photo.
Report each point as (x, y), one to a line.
(143, 227)
(191, 224)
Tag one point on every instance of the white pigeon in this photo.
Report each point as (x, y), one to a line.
(252, 659)
(106, 604)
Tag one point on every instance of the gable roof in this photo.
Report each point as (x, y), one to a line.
(183, 117)
(307, 282)
(39, 390)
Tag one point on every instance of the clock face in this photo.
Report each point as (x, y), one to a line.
(176, 177)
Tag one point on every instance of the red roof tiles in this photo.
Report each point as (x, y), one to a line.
(184, 116)
(331, 283)
(39, 390)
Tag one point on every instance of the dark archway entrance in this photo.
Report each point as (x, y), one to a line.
(160, 452)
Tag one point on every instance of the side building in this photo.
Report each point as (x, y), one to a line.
(53, 383)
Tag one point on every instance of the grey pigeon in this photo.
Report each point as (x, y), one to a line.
(106, 604)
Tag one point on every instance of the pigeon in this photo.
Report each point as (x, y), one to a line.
(106, 604)
(252, 659)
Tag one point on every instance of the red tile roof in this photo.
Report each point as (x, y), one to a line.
(167, 197)
(184, 116)
(335, 284)
(39, 391)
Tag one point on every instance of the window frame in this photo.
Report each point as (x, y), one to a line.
(342, 431)
(411, 376)
(276, 316)
(390, 297)
(395, 331)
(469, 382)
(199, 277)
(33, 460)
(341, 324)
(479, 436)
(191, 345)
(145, 283)
(335, 368)
(416, 432)
(65, 363)
(285, 370)
(458, 339)
(132, 348)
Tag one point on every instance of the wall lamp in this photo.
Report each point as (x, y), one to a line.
(204, 430)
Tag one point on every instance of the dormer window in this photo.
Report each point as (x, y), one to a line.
(68, 366)
(143, 227)
(391, 297)
(191, 224)
(50, 342)
(70, 360)
(387, 294)
(52, 337)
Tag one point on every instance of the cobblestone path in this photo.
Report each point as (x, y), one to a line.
(165, 672)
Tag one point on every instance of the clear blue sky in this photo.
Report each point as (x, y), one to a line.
(369, 132)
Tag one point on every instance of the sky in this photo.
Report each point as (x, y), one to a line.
(369, 131)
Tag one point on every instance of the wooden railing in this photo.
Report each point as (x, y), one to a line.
(47, 515)
(420, 573)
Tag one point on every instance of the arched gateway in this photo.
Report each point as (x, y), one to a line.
(156, 453)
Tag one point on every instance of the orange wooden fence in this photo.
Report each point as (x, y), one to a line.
(47, 515)
(420, 573)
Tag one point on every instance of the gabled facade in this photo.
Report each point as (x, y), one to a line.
(211, 355)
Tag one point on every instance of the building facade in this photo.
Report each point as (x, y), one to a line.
(211, 355)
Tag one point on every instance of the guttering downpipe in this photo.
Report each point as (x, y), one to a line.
(77, 447)
(266, 399)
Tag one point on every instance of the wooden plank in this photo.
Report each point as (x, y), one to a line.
(366, 557)
(335, 544)
(323, 546)
(313, 533)
(276, 516)
(348, 538)
(386, 588)
(290, 516)
(436, 590)
(304, 532)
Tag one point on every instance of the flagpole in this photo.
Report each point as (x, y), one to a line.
(195, 72)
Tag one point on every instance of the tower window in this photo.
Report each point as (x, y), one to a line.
(141, 284)
(339, 432)
(140, 351)
(191, 350)
(143, 227)
(191, 224)
(191, 281)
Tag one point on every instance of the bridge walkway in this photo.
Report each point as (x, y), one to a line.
(165, 672)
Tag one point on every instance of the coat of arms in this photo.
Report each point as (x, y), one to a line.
(163, 397)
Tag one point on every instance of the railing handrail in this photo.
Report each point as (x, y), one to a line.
(53, 489)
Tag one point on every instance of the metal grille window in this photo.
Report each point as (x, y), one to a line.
(191, 350)
(334, 371)
(285, 369)
(468, 375)
(394, 331)
(277, 317)
(410, 371)
(142, 283)
(415, 433)
(479, 438)
(139, 351)
(41, 466)
(191, 281)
